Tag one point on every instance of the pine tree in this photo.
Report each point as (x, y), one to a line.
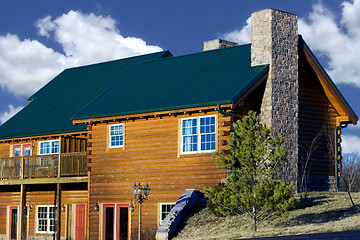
(255, 158)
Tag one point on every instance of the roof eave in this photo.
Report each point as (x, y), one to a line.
(150, 112)
(332, 92)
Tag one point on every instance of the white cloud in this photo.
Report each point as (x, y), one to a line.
(26, 65)
(241, 36)
(354, 127)
(338, 40)
(350, 144)
(6, 115)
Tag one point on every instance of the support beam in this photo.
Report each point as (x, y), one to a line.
(22, 219)
(58, 211)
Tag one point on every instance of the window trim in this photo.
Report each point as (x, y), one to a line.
(198, 147)
(47, 218)
(50, 147)
(160, 210)
(22, 149)
(123, 136)
(182, 136)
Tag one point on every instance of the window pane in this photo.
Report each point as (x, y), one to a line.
(44, 147)
(42, 219)
(165, 210)
(27, 151)
(17, 151)
(52, 219)
(189, 132)
(207, 133)
(116, 135)
(55, 146)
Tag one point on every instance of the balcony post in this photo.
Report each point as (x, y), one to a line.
(22, 168)
(59, 158)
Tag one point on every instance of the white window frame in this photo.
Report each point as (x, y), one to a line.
(161, 212)
(51, 142)
(121, 135)
(198, 149)
(48, 219)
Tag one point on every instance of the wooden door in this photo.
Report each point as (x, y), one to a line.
(80, 222)
(122, 226)
(115, 222)
(13, 223)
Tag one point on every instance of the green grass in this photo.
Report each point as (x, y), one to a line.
(319, 212)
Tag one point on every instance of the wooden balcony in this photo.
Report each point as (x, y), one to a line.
(34, 169)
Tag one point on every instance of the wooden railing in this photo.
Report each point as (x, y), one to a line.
(71, 164)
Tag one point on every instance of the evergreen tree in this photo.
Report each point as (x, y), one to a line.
(254, 160)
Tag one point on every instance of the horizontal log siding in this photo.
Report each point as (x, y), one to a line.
(35, 198)
(150, 155)
(316, 117)
(7, 199)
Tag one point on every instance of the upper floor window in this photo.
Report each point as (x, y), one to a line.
(21, 150)
(49, 147)
(198, 134)
(116, 135)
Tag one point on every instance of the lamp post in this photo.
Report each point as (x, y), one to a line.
(140, 194)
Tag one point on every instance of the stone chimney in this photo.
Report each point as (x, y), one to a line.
(217, 43)
(274, 41)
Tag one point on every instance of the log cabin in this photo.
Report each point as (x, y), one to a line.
(69, 159)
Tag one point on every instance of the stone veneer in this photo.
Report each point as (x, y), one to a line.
(274, 41)
(217, 43)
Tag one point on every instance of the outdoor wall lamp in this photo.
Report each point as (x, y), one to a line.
(96, 206)
(62, 207)
(140, 193)
(29, 208)
(131, 206)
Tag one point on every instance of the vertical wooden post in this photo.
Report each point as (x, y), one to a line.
(21, 212)
(22, 168)
(59, 158)
(58, 211)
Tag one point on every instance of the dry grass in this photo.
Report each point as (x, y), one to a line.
(319, 212)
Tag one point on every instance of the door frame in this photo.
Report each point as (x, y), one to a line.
(9, 221)
(116, 216)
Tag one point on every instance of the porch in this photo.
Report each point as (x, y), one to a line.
(58, 168)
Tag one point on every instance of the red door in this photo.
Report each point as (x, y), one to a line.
(80, 222)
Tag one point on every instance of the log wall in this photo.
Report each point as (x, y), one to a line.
(317, 120)
(150, 155)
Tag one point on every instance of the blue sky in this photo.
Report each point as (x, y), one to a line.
(39, 38)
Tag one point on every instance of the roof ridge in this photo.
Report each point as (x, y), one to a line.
(198, 53)
(120, 59)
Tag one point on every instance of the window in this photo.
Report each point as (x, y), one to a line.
(46, 219)
(165, 209)
(116, 135)
(19, 150)
(48, 147)
(196, 139)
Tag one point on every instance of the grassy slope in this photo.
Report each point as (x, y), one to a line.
(319, 212)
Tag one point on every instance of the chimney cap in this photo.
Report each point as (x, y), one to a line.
(218, 43)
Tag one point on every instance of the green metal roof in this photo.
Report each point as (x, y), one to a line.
(53, 105)
(140, 84)
(207, 78)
